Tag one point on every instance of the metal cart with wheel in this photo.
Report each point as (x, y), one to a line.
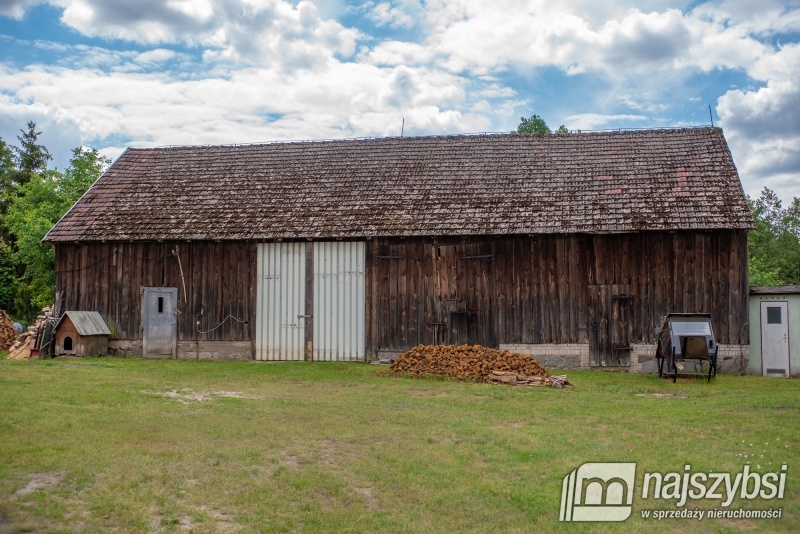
(686, 336)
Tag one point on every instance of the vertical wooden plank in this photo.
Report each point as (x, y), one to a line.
(402, 297)
(413, 277)
(690, 260)
(721, 313)
(594, 324)
(551, 289)
(735, 290)
(564, 304)
(382, 266)
(488, 288)
(428, 259)
(537, 269)
(517, 306)
(501, 250)
(582, 280)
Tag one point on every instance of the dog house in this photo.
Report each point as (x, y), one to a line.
(775, 331)
(81, 333)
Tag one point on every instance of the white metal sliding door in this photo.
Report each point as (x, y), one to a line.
(281, 293)
(339, 301)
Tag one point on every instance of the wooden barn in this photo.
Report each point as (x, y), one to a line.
(569, 247)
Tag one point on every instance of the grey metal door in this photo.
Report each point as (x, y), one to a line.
(280, 302)
(339, 301)
(775, 338)
(159, 321)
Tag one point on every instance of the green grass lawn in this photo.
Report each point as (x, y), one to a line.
(152, 445)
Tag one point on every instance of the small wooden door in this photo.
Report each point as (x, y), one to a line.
(775, 338)
(610, 322)
(159, 321)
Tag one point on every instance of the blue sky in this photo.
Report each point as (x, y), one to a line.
(114, 73)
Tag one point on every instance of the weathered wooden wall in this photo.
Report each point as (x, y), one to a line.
(489, 290)
(108, 277)
(538, 289)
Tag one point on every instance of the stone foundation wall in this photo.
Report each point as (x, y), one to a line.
(732, 359)
(188, 350)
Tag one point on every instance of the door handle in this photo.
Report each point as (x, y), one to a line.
(305, 316)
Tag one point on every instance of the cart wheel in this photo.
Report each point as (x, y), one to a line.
(673, 366)
(712, 371)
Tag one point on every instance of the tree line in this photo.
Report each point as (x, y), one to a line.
(33, 197)
(775, 243)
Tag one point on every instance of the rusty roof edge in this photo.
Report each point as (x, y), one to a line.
(47, 235)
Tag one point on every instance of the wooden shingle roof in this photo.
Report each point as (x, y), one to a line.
(424, 186)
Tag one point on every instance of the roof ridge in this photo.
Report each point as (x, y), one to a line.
(434, 136)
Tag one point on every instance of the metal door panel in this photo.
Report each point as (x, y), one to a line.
(280, 301)
(339, 301)
(159, 321)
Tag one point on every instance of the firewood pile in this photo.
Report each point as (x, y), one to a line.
(8, 332)
(476, 363)
(29, 343)
(517, 379)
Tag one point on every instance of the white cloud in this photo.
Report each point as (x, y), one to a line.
(276, 69)
(17, 8)
(592, 121)
(157, 55)
(341, 100)
(394, 14)
(763, 124)
(267, 32)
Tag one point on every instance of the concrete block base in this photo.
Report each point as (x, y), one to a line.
(188, 350)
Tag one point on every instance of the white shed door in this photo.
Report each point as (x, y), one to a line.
(774, 339)
(339, 301)
(281, 293)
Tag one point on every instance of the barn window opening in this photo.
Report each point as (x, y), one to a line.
(773, 315)
(160, 304)
(67, 343)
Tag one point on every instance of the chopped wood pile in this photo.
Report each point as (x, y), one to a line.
(517, 379)
(27, 345)
(474, 362)
(8, 332)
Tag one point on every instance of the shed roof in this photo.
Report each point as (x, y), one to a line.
(774, 290)
(424, 186)
(87, 323)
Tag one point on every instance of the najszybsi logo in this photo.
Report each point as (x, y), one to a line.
(604, 491)
(598, 492)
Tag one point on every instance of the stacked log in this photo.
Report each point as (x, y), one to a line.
(27, 345)
(467, 362)
(8, 332)
(517, 379)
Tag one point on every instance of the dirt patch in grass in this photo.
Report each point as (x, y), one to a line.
(664, 395)
(370, 501)
(509, 425)
(41, 481)
(188, 396)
